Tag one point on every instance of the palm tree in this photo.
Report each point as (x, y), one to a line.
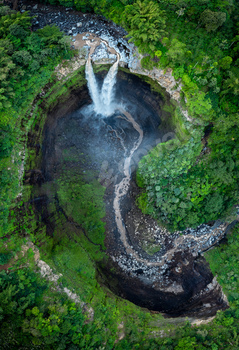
(145, 22)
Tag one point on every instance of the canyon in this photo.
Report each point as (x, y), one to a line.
(147, 264)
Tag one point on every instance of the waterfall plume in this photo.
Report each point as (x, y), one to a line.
(92, 85)
(107, 89)
(103, 100)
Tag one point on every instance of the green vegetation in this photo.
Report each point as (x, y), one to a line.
(145, 22)
(186, 181)
(151, 248)
(27, 61)
(5, 257)
(224, 262)
(83, 202)
(33, 314)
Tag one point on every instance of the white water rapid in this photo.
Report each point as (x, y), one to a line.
(102, 100)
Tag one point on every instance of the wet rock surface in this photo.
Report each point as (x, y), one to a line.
(189, 288)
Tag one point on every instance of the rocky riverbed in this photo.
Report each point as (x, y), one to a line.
(78, 26)
(72, 23)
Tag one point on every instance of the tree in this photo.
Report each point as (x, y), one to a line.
(17, 30)
(145, 22)
(22, 57)
(212, 20)
(177, 51)
(186, 343)
(6, 143)
(50, 34)
(225, 62)
(5, 10)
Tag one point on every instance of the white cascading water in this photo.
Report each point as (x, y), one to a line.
(102, 100)
(108, 88)
(92, 85)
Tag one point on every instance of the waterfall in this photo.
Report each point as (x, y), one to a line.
(102, 100)
(92, 85)
(107, 90)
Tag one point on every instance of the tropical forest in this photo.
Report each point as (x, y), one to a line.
(119, 174)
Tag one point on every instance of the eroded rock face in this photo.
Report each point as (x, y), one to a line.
(187, 289)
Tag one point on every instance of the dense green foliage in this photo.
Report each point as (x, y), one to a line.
(36, 316)
(84, 203)
(184, 182)
(32, 315)
(185, 188)
(145, 23)
(27, 60)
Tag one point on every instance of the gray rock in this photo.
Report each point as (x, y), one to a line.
(70, 32)
(79, 24)
(35, 7)
(100, 52)
(112, 56)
